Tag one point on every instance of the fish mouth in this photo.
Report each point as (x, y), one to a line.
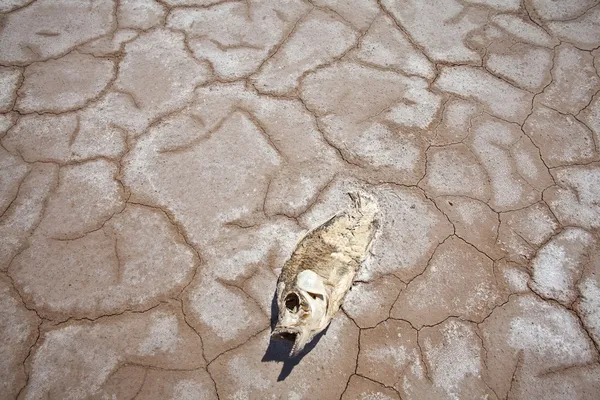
(289, 335)
(285, 334)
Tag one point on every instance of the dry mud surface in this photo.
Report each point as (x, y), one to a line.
(161, 158)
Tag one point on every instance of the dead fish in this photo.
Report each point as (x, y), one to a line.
(320, 271)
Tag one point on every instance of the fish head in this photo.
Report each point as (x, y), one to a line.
(302, 311)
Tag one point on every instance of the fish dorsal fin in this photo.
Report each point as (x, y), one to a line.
(312, 283)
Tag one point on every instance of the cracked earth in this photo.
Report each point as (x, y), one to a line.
(160, 159)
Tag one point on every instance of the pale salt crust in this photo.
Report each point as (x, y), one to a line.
(204, 228)
(12, 171)
(558, 263)
(589, 304)
(6, 121)
(77, 24)
(455, 121)
(515, 245)
(526, 165)
(108, 45)
(398, 355)
(375, 396)
(449, 168)
(280, 237)
(9, 5)
(101, 361)
(534, 224)
(387, 46)
(457, 359)
(549, 334)
(238, 370)
(562, 139)
(503, 5)
(9, 80)
(281, 72)
(591, 114)
(190, 390)
(89, 74)
(361, 298)
(416, 220)
(176, 73)
(458, 113)
(527, 66)
(126, 265)
(205, 3)
(100, 347)
(431, 297)
(379, 146)
(393, 97)
(17, 327)
(501, 98)
(234, 44)
(490, 141)
(224, 311)
(26, 211)
(359, 14)
(484, 294)
(576, 202)
(434, 25)
(140, 14)
(418, 107)
(163, 335)
(524, 30)
(120, 109)
(471, 212)
(561, 10)
(98, 195)
(575, 79)
(516, 279)
(306, 189)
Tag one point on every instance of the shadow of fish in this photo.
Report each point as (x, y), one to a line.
(319, 273)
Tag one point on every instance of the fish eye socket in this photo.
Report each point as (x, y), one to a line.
(292, 302)
(315, 296)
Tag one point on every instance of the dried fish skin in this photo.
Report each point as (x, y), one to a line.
(320, 271)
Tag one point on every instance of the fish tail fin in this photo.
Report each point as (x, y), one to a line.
(364, 203)
(365, 210)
